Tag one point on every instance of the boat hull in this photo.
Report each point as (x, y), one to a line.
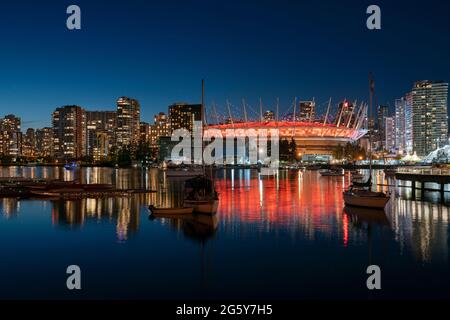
(365, 201)
(171, 211)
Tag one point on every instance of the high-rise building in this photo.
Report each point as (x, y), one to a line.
(346, 115)
(69, 132)
(100, 133)
(409, 123)
(10, 136)
(307, 111)
(183, 115)
(145, 133)
(269, 115)
(29, 143)
(128, 122)
(382, 114)
(389, 132)
(161, 128)
(400, 124)
(403, 124)
(44, 142)
(429, 116)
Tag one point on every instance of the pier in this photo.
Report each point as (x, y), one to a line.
(440, 176)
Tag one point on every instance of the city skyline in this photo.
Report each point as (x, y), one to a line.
(292, 54)
(418, 125)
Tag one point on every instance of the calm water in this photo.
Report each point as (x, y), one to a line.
(277, 237)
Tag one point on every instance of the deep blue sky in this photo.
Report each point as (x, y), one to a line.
(158, 52)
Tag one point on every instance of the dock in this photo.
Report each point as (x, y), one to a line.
(440, 176)
(51, 189)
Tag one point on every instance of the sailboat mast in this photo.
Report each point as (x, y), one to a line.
(372, 90)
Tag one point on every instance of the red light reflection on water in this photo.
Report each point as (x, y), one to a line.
(292, 199)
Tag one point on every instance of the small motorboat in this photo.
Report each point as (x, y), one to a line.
(171, 211)
(70, 166)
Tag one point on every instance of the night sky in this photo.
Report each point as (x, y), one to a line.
(158, 52)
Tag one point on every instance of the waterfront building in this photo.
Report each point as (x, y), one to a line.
(307, 111)
(161, 128)
(44, 142)
(29, 143)
(183, 115)
(389, 131)
(128, 122)
(100, 133)
(10, 136)
(144, 133)
(269, 115)
(403, 124)
(69, 132)
(429, 116)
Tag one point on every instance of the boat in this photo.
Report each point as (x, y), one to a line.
(332, 173)
(70, 166)
(360, 194)
(171, 211)
(200, 194)
(366, 198)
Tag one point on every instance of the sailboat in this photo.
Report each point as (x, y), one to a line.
(200, 192)
(361, 194)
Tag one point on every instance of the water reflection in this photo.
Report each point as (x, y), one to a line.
(302, 205)
(198, 227)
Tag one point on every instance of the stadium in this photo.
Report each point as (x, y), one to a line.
(312, 136)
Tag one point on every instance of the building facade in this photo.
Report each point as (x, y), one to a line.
(69, 132)
(389, 132)
(29, 143)
(101, 126)
(183, 115)
(44, 142)
(307, 111)
(429, 116)
(128, 122)
(10, 136)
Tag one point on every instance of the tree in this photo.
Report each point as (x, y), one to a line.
(124, 157)
(287, 150)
